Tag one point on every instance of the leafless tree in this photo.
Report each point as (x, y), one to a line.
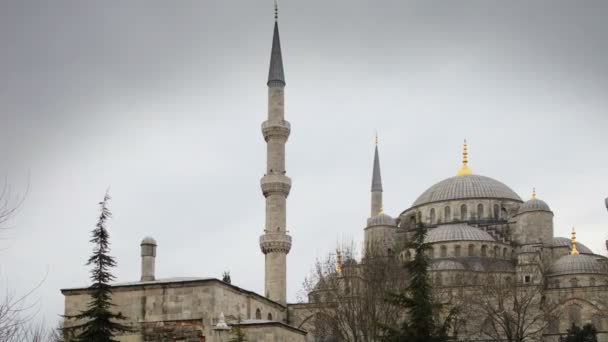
(509, 310)
(349, 296)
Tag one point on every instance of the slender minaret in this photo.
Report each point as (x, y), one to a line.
(376, 184)
(275, 243)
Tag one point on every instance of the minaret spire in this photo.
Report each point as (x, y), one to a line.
(276, 75)
(376, 183)
(275, 243)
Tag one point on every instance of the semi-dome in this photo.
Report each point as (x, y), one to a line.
(534, 204)
(381, 219)
(565, 242)
(457, 232)
(446, 265)
(466, 187)
(577, 264)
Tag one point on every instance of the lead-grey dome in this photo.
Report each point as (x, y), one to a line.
(534, 205)
(381, 220)
(565, 242)
(463, 187)
(446, 265)
(457, 232)
(577, 264)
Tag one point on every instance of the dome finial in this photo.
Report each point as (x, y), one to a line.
(574, 250)
(376, 140)
(465, 170)
(533, 193)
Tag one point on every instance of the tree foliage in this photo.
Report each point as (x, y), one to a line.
(575, 334)
(422, 316)
(100, 323)
(349, 299)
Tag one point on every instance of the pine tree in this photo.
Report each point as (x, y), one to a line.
(587, 334)
(237, 333)
(423, 322)
(100, 324)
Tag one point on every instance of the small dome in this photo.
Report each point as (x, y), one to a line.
(457, 232)
(534, 205)
(466, 187)
(381, 220)
(577, 264)
(446, 265)
(565, 242)
(148, 241)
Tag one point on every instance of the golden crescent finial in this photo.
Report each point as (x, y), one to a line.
(574, 250)
(465, 170)
(338, 261)
(533, 193)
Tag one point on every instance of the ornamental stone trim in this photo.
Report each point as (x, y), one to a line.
(276, 129)
(275, 242)
(273, 184)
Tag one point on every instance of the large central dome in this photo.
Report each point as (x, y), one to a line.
(466, 187)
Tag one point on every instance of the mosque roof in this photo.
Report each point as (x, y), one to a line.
(534, 204)
(577, 264)
(466, 187)
(457, 232)
(381, 219)
(478, 264)
(565, 242)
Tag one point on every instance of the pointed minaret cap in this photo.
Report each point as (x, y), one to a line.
(376, 177)
(276, 76)
(465, 170)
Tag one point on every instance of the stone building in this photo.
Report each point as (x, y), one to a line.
(477, 226)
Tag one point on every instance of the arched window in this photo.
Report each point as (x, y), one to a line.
(457, 250)
(574, 282)
(471, 250)
(444, 251)
(447, 214)
(463, 212)
(496, 211)
(480, 211)
(496, 252)
(504, 252)
(592, 283)
(574, 315)
(258, 314)
(413, 222)
(438, 279)
(484, 250)
(269, 316)
(431, 252)
(433, 218)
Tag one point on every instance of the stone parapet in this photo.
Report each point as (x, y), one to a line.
(272, 184)
(275, 242)
(276, 129)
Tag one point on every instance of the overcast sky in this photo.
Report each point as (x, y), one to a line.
(163, 101)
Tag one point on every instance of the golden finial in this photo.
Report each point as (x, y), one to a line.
(338, 261)
(381, 211)
(574, 250)
(533, 193)
(465, 170)
(376, 140)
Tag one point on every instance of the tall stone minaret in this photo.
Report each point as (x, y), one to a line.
(275, 243)
(376, 185)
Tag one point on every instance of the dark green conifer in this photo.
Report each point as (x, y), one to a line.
(100, 324)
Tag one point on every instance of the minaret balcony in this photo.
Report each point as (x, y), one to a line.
(280, 128)
(275, 242)
(275, 183)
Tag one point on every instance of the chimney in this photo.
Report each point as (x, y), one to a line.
(148, 256)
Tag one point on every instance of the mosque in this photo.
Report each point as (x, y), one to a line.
(476, 226)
